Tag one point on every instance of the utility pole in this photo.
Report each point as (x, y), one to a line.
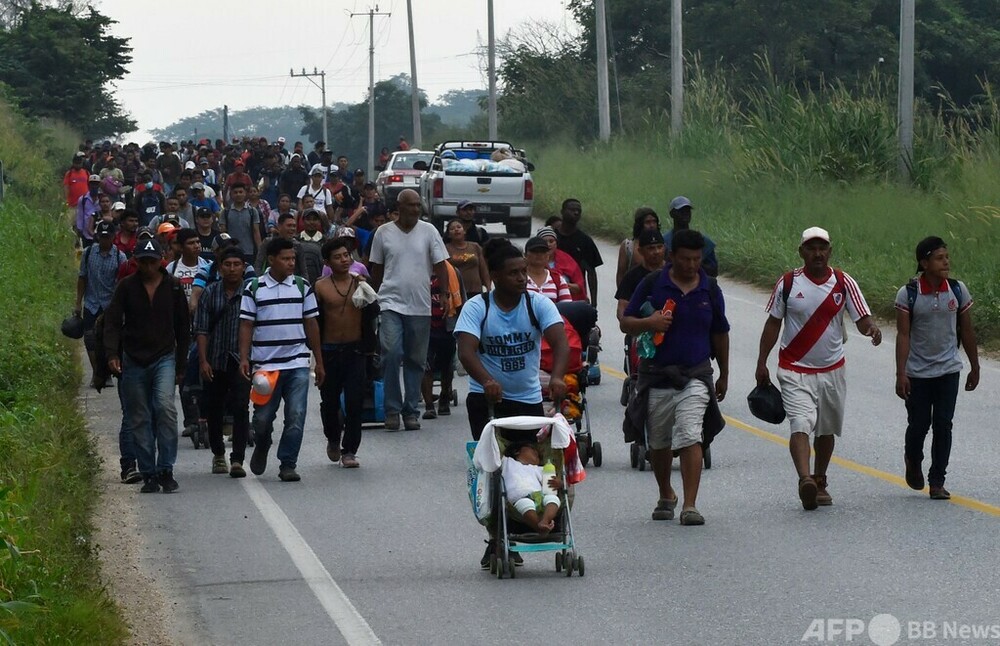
(225, 124)
(491, 66)
(907, 16)
(414, 88)
(603, 98)
(676, 70)
(322, 88)
(371, 86)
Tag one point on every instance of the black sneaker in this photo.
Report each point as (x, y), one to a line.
(288, 474)
(258, 461)
(490, 549)
(131, 476)
(150, 485)
(167, 482)
(518, 561)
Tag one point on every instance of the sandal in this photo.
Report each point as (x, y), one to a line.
(664, 509)
(692, 517)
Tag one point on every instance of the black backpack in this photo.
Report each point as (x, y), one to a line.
(913, 288)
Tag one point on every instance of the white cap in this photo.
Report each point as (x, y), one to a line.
(813, 233)
(188, 165)
(118, 206)
(317, 168)
(281, 140)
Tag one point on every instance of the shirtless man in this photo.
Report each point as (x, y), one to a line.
(342, 334)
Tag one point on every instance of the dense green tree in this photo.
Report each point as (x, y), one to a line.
(60, 62)
(283, 121)
(459, 107)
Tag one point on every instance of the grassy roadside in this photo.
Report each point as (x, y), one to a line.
(756, 223)
(49, 587)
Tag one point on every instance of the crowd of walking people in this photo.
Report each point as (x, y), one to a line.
(237, 273)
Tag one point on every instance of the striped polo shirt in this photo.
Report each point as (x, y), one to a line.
(278, 311)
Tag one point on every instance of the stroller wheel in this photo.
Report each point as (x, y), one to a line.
(642, 460)
(559, 561)
(454, 397)
(568, 562)
(633, 455)
(510, 567)
(598, 454)
(501, 568)
(493, 563)
(579, 566)
(707, 457)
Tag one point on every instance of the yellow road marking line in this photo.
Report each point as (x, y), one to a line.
(857, 467)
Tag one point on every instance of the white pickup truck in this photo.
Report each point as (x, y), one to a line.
(462, 170)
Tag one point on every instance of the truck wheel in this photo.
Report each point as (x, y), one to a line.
(519, 229)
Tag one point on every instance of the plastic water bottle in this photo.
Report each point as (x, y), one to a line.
(548, 472)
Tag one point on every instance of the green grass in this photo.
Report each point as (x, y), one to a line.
(49, 587)
(756, 222)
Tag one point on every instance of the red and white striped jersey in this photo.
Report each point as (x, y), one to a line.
(812, 338)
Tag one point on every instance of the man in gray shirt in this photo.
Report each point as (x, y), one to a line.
(242, 222)
(403, 255)
(932, 318)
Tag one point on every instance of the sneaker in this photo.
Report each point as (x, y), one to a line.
(914, 476)
(188, 431)
(518, 561)
(692, 517)
(349, 461)
(940, 493)
(823, 497)
(332, 451)
(236, 470)
(131, 475)
(807, 493)
(411, 423)
(444, 408)
(392, 421)
(219, 464)
(428, 414)
(167, 482)
(258, 461)
(485, 561)
(288, 474)
(149, 485)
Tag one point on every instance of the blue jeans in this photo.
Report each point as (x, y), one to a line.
(931, 404)
(404, 341)
(292, 387)
(126, 443)
(150, 414)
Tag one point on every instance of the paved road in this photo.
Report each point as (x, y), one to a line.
(390, 551)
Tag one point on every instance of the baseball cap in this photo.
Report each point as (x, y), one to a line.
(197, 186)
(813, 233)
(281, 140)
(316, 213)
(189, 165)
(649, 238)
(359, 171)
(118, 206)
(148, 249)
(680, 202)
(203, 212)
(536, 243)
(104, 229)
(464, 204)
(346, 232)
(204, 160)
(926, 247)
(317, 169)
(220, 240)
(79, 155)
(165, 227)
(94, 178)
(545, 232)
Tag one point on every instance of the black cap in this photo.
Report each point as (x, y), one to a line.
(536, 243)
(926, 247)
(650, 237)
(104, 229)
(148, 249)
(203, 212)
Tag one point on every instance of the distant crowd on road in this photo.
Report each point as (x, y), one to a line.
(232, 271)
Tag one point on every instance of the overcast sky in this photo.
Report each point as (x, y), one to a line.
(190, 56)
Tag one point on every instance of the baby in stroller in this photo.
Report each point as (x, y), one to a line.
(527, 489)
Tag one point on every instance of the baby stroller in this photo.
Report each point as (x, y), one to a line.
(554, 440)
(638, 453)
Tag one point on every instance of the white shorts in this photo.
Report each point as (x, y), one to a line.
(524, 505)
(814, 402)
(675, 417)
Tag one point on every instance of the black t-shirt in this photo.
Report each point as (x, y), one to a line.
(582, 248)
(477, 234)
(206, 244)
(630, 281)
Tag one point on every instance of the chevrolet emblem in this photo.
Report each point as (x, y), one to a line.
(485, 189)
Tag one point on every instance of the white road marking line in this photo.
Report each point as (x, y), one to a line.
(348, 620)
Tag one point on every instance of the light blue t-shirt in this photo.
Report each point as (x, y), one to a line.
(511, 345)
